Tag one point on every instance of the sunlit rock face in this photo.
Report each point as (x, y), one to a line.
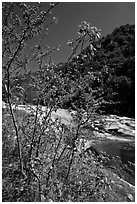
(61, 114)
(111, 123)
(123, 125)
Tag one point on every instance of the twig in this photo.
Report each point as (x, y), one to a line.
(34, 131)
(39, 139)
(72, 155)
(14, 123)
(54, 159)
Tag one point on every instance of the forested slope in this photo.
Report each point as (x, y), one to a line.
(113, 68)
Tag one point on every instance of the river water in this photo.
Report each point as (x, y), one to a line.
(121, 151)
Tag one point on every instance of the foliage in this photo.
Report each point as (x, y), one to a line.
(120, 50)
(41, 161)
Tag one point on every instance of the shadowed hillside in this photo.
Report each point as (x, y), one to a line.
(113, 69)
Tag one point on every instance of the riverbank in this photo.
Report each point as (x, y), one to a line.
(117, 148)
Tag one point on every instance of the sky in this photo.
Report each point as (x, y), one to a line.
(104, 15)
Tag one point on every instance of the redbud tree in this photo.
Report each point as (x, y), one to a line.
(47, 151)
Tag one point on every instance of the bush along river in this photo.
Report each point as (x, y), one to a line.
(115, 140)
